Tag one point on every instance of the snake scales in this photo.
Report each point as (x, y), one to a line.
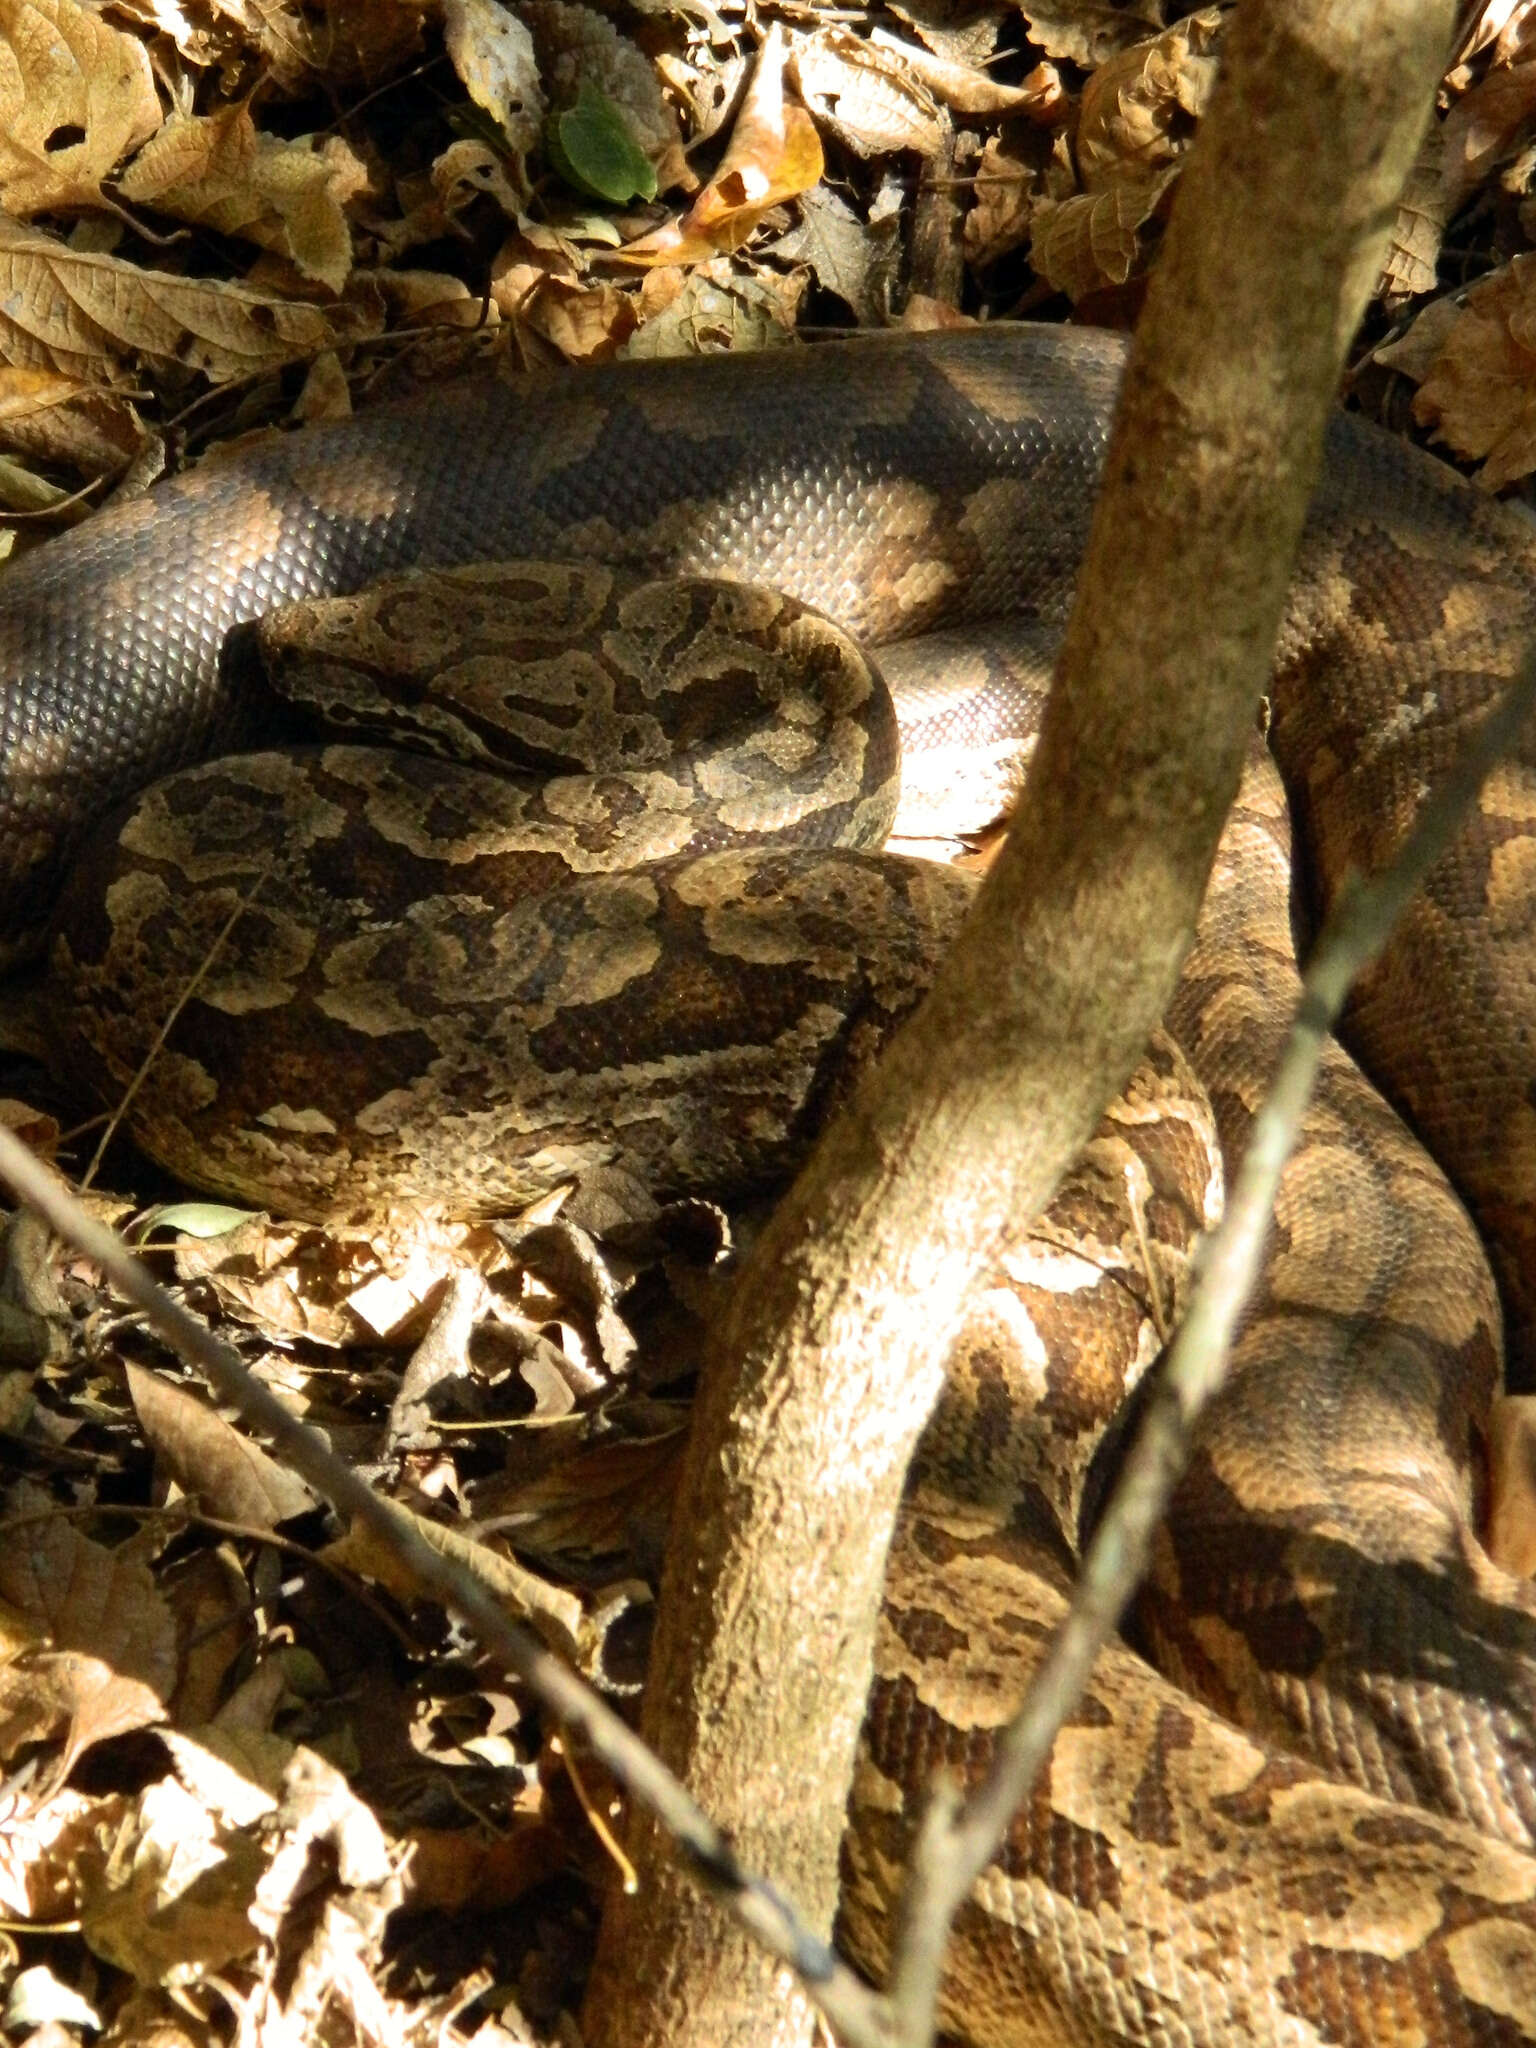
(1359, 1868)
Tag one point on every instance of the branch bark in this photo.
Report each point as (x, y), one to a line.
(822, 1374)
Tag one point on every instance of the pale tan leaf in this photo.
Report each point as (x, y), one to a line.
(774, 154)
(72, 312)
(492, 51)
(211, 1461)
(967, 87)
(1413, 255)
(66, 72)
(235, 1778)
(37, 1850)
(713, 306)
(1007, 186)
(219, 171)
(173, 1898)
(469, 170)
(869, 99)
(856, 259)
(1480, 394)
(582, 323)
(1483, 127)
(95, 1653)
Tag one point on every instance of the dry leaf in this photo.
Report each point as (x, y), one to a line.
(966, 87)
(555, 1613)
(75, 312)
(38, 1847)
(89, 1646)
(1007, 186)
(1138, 109)
(492, 51)
(227, 1475)
(1413, 255)
(66, 72)
(1482, 128)
(773, 154)
(1089, 32)
(1480, 395)
(870, 100)
(287, 196)
(1082, 244)
(713, 306)
(173, 1899)
(858, 260)
(66, 421)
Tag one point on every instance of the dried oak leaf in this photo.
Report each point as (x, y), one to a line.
(76, 95)
(68, 310)
(968, 88)
(172, 1896)
(38, 1847)
(1480, 394)
(87, 1647)
(221, 172)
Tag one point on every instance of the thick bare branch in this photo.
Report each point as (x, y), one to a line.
(825, 1369)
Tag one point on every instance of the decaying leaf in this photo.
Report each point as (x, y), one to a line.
(46, 417)
(226, 1473)
(870, 98)
(65, 310)
(576, 43)
(88, 1645)
(773, 154)
(1089, 32)
(1094, 239)
(284, 195)
(1139, 110)
(966, 87)
(1412, 262)
(76, 95)
(1480, 395)
(492, 51)
(555, 1613)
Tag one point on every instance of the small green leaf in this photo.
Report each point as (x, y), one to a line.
(591, 147)
(191, 1219)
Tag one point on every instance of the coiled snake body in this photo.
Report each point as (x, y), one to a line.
(1359, 1866)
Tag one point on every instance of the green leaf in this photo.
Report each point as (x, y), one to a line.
(191, 1219)
(591, 147)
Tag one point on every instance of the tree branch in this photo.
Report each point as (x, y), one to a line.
(824, 1370)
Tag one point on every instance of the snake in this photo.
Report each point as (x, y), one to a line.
(1297, 1804)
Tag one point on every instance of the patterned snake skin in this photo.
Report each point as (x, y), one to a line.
(1358, 1865)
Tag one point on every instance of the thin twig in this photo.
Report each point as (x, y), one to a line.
(1355, 932)
(857, 2013)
